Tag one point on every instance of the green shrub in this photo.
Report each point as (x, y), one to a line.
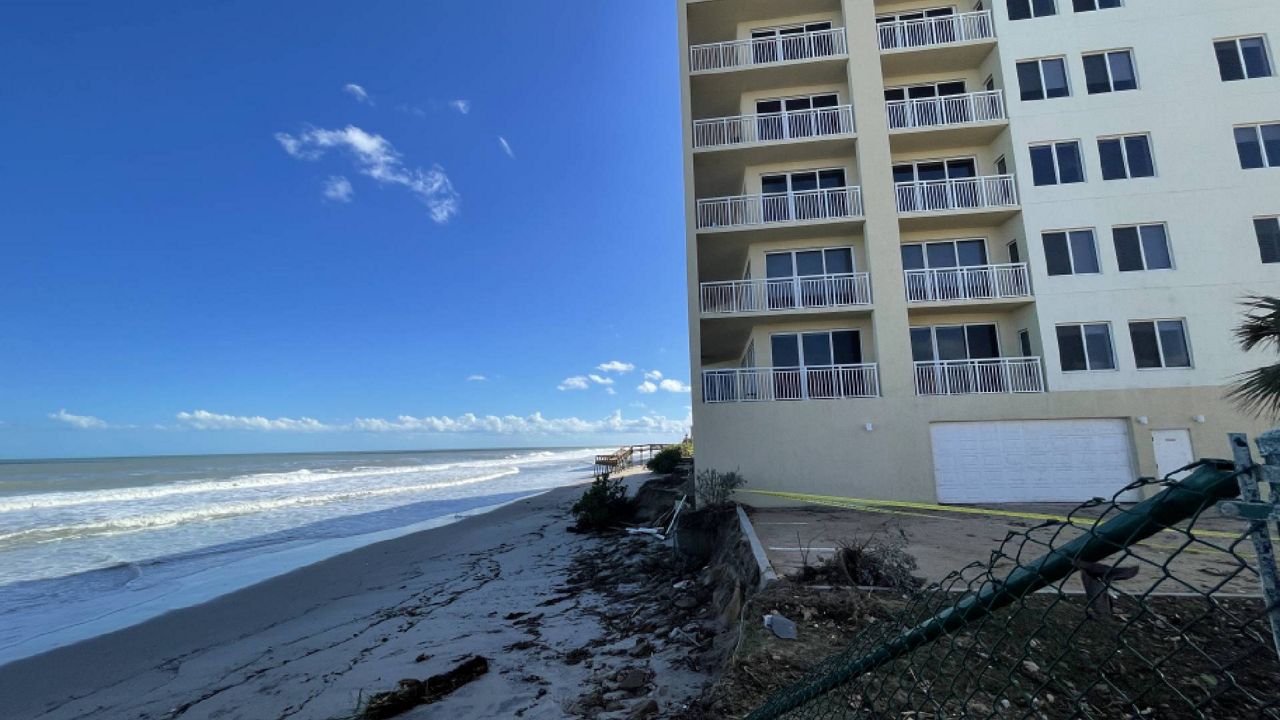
(665, 462)
(715, 488)
(603, 505)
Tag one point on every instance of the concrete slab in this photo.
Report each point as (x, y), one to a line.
(945, 541)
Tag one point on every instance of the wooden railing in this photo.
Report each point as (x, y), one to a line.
(626, 456)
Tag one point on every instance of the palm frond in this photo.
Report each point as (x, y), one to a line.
(1258, 392)
(1261, 325)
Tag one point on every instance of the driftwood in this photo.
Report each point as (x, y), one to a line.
(1096, 578)
(412, 692)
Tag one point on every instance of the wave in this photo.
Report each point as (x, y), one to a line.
(223, 511)
(47, 501)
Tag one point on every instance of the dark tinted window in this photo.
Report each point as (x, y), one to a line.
(1256, 62)
(982, 341)
(1137, 149)
(1043, 170)
(1056, 255)
(1112, 157)
(1173, 343)
(1071, 348)
(921, 344)
(1084, 254)
(1248, 147)
(1123, 76)
(1146, 350)
(1029, 80)
(1097, 339)
(1155, 247)
(786, 350)
(1097, 77)
(1055, 78)
(1268, 231)
(912, 257)
(846, 348)
(1128, 249)
(1070, 164)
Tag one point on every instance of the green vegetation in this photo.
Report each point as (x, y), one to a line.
(602, 506)
(1258, 391)
(715, 488)
(665, 462)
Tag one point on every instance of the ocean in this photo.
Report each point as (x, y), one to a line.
(92, 546)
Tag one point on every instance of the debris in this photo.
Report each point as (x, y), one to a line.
(633, 679)
(411, 693)
(780, 626)
(643, 709)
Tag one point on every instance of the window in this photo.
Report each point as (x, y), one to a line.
(923, 185)
(1110, 71)
(1057, 163)
(806, 116)
(1142, 247)
(955, 342)
(1002, 166)
(1071, 252)
(1015, 255)
(1125, 157)
(800, 195)
(902, 114)
(1085, 347)
(1041, 79)
(895, 33)
(1024, 343)
(794, 42)
(1268, 231)
(1091, 5)
(1258, 145)
(1024, 9)
(785, 270)
(1160, 344)
(816, 349)
(1242, 58)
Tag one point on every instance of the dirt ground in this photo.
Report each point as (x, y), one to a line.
(1177, 657)
(943, 542)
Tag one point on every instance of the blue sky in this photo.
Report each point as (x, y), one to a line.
(247, 226)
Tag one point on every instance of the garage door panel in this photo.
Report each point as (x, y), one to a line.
(1031, 461)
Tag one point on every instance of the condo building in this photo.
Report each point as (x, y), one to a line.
(977, 252)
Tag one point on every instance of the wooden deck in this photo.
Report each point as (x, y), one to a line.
(627, 456)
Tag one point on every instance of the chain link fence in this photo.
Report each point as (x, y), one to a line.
(1147, 610)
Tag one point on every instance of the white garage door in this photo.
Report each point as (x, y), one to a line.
(1031, 460)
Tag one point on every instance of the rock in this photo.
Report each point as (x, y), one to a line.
(781, 626)
(686, 602)
(643, 648)
(1031, 669)
(643, 709)
(632, 679)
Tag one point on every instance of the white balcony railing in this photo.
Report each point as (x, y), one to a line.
(766, 51)
(978, 282)
(994, 191)
(943, 30)
(797, 293)
(979, 377)
(810, 383)
(780, 208)
(773, 127)
(963, 109)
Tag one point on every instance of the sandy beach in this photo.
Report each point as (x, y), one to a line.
(315, 642)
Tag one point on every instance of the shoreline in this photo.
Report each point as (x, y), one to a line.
(351, 624)
(209, 585)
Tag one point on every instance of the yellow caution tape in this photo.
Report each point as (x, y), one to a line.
(889, 505)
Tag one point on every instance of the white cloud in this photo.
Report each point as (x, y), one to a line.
(338, 188)
(83, 422)
(506, 147)
(205, 420)
(674, 386)
(577, 382)
(375, 157)
(533, 424)
(358, 93)
(476, 378)
(616, 366)
(462, 106)
(647, 387)
(653, 375)
(608, 390)
(600, 380)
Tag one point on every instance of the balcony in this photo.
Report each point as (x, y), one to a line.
(992, 376)
(773, 128)
(929, 204)
(947, 121)
(806, 207)
(961, 284)
(758, 52)
(835, 382)
(914, 46)
(818, 292)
